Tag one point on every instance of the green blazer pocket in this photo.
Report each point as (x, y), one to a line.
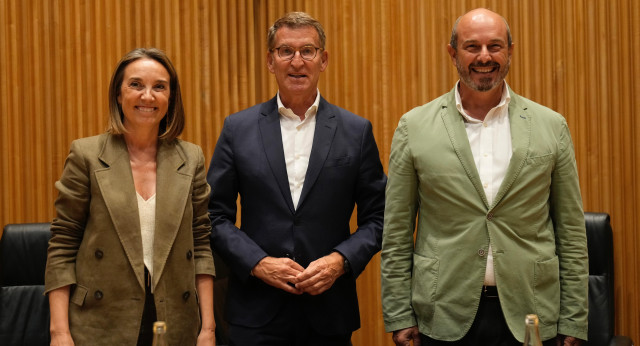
(536, 160)
(546, 290)
(424, 284)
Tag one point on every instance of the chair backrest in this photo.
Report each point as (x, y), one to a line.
(24, 316)
(601, 289)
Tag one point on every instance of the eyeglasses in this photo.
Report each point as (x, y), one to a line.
(306, 52)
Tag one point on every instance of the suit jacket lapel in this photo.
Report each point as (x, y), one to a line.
(269, 124)
(326, 124)
(454, 124)
(520, 123)
(118, 191)
(172, 191)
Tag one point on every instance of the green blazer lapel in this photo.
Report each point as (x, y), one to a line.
(454, 124)
(115, 182)
(520, 123)
(173, 188)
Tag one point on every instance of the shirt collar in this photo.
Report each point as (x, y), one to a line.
(504, 102)
(287, 112)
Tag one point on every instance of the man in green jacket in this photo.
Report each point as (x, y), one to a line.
(490, 178)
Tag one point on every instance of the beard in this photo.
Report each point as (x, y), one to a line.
(485, 83)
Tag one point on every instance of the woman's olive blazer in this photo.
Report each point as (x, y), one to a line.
(96, 245)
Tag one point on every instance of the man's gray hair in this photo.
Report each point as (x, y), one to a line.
(295, 20)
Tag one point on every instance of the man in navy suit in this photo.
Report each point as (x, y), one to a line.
(300, 165)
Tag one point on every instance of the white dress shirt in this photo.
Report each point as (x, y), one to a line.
(297, 139)
(490, 142)
(147, 213)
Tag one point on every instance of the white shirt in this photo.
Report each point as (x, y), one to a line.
(147, 212)
(490, 142)
(297, 139)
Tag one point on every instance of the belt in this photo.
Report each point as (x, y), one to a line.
(490, 292)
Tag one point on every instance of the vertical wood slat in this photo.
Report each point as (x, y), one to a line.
(386, 57)
(5, 174)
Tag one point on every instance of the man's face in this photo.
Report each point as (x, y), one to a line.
(483, 55)
(297, 77)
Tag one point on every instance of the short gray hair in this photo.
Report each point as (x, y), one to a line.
(295, 20)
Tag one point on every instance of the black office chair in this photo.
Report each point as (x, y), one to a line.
(601, 289)
(24, 310)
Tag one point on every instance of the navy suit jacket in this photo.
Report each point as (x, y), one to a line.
(344, 170)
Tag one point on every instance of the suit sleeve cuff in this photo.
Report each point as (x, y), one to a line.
(572, 330)
(399, 323)
(251, 267)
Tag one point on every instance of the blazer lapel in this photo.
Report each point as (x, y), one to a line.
(118, 191)
(520, 123)
(172, 191)
(326, 124)
(269, 124)
(454, 124)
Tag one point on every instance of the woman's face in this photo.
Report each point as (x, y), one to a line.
(144, 94)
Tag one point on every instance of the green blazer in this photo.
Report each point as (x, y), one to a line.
(535, 226)
(96, 245)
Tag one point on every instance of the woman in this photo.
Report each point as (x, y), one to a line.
(130, 243)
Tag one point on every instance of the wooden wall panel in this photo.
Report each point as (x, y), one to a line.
(577, 57)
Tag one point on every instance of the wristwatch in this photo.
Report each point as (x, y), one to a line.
(346, 266)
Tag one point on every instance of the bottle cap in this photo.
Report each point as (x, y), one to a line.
(531, 319)
(159, 327)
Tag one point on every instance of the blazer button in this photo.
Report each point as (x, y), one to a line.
(296, 221)
(97, 295)
(481, 252)
(489, 216)
(189, 254)
(186, 295)
(99, 254)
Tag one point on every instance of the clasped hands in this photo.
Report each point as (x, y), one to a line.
(286, 274)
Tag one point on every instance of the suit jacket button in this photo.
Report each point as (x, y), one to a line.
(481, 252)
(489, 216)
(296, 221)
(189, 254)
(99, 254)
(186, 295)
(97, 295)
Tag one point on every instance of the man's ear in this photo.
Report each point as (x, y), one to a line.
(325, 60)
(452, 53)
(270, 62)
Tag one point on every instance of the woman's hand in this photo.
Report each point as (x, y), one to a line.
(207, 337)
(61, 339)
